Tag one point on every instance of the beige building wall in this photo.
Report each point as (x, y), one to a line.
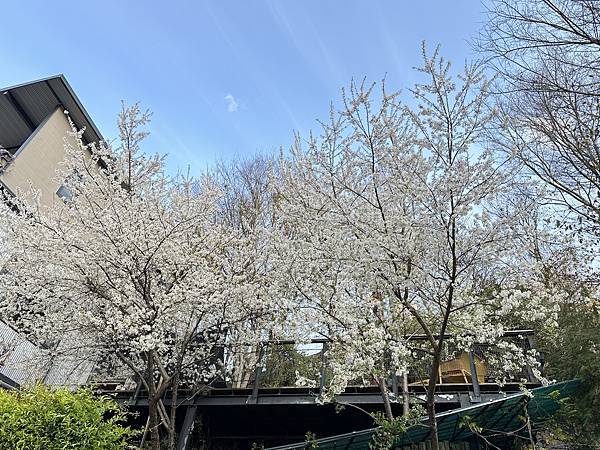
(36, 161)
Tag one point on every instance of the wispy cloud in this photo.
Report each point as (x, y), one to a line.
(232, 104)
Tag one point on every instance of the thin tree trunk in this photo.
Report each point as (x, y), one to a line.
(145, 433)
(386, 398)
(433, 374)
(435, 445)
(154, 443)
(405, 398)
(153, 423)
(174, 392)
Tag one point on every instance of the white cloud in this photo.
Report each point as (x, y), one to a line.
(232, 104)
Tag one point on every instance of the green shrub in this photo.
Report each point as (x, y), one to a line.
(574, 354)
(40, 418)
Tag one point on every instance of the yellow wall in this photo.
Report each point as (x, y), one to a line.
(37, 160)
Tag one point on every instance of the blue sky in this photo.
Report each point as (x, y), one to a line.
(225, 77)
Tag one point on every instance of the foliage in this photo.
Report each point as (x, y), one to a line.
(575, 355)
(467, 422)
(311, 439)
(389, 430)
(284, 363)
(43, 419)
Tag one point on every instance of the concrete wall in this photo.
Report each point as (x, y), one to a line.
(38, 158)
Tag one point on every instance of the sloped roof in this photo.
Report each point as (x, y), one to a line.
(503, 414)
(24, 107)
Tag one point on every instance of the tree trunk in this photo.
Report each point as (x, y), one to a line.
(386, 398)
(405, 397)
(435, 445)
(154, 443)
(174, 392)
(433, 375)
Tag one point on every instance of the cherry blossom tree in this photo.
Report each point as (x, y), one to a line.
(247, 206)
(393, 228)
(133, 270)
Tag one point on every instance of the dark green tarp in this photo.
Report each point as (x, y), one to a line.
(502, 415)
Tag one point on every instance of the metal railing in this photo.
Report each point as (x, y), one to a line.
(272, 368)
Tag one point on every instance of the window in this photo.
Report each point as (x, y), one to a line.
(64, 193)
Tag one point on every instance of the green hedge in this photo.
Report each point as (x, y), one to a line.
(40, 418)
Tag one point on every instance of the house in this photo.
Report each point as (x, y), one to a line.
(34, 122)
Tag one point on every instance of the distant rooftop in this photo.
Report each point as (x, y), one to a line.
(25, 106)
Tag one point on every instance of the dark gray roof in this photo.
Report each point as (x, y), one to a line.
(25, 106)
